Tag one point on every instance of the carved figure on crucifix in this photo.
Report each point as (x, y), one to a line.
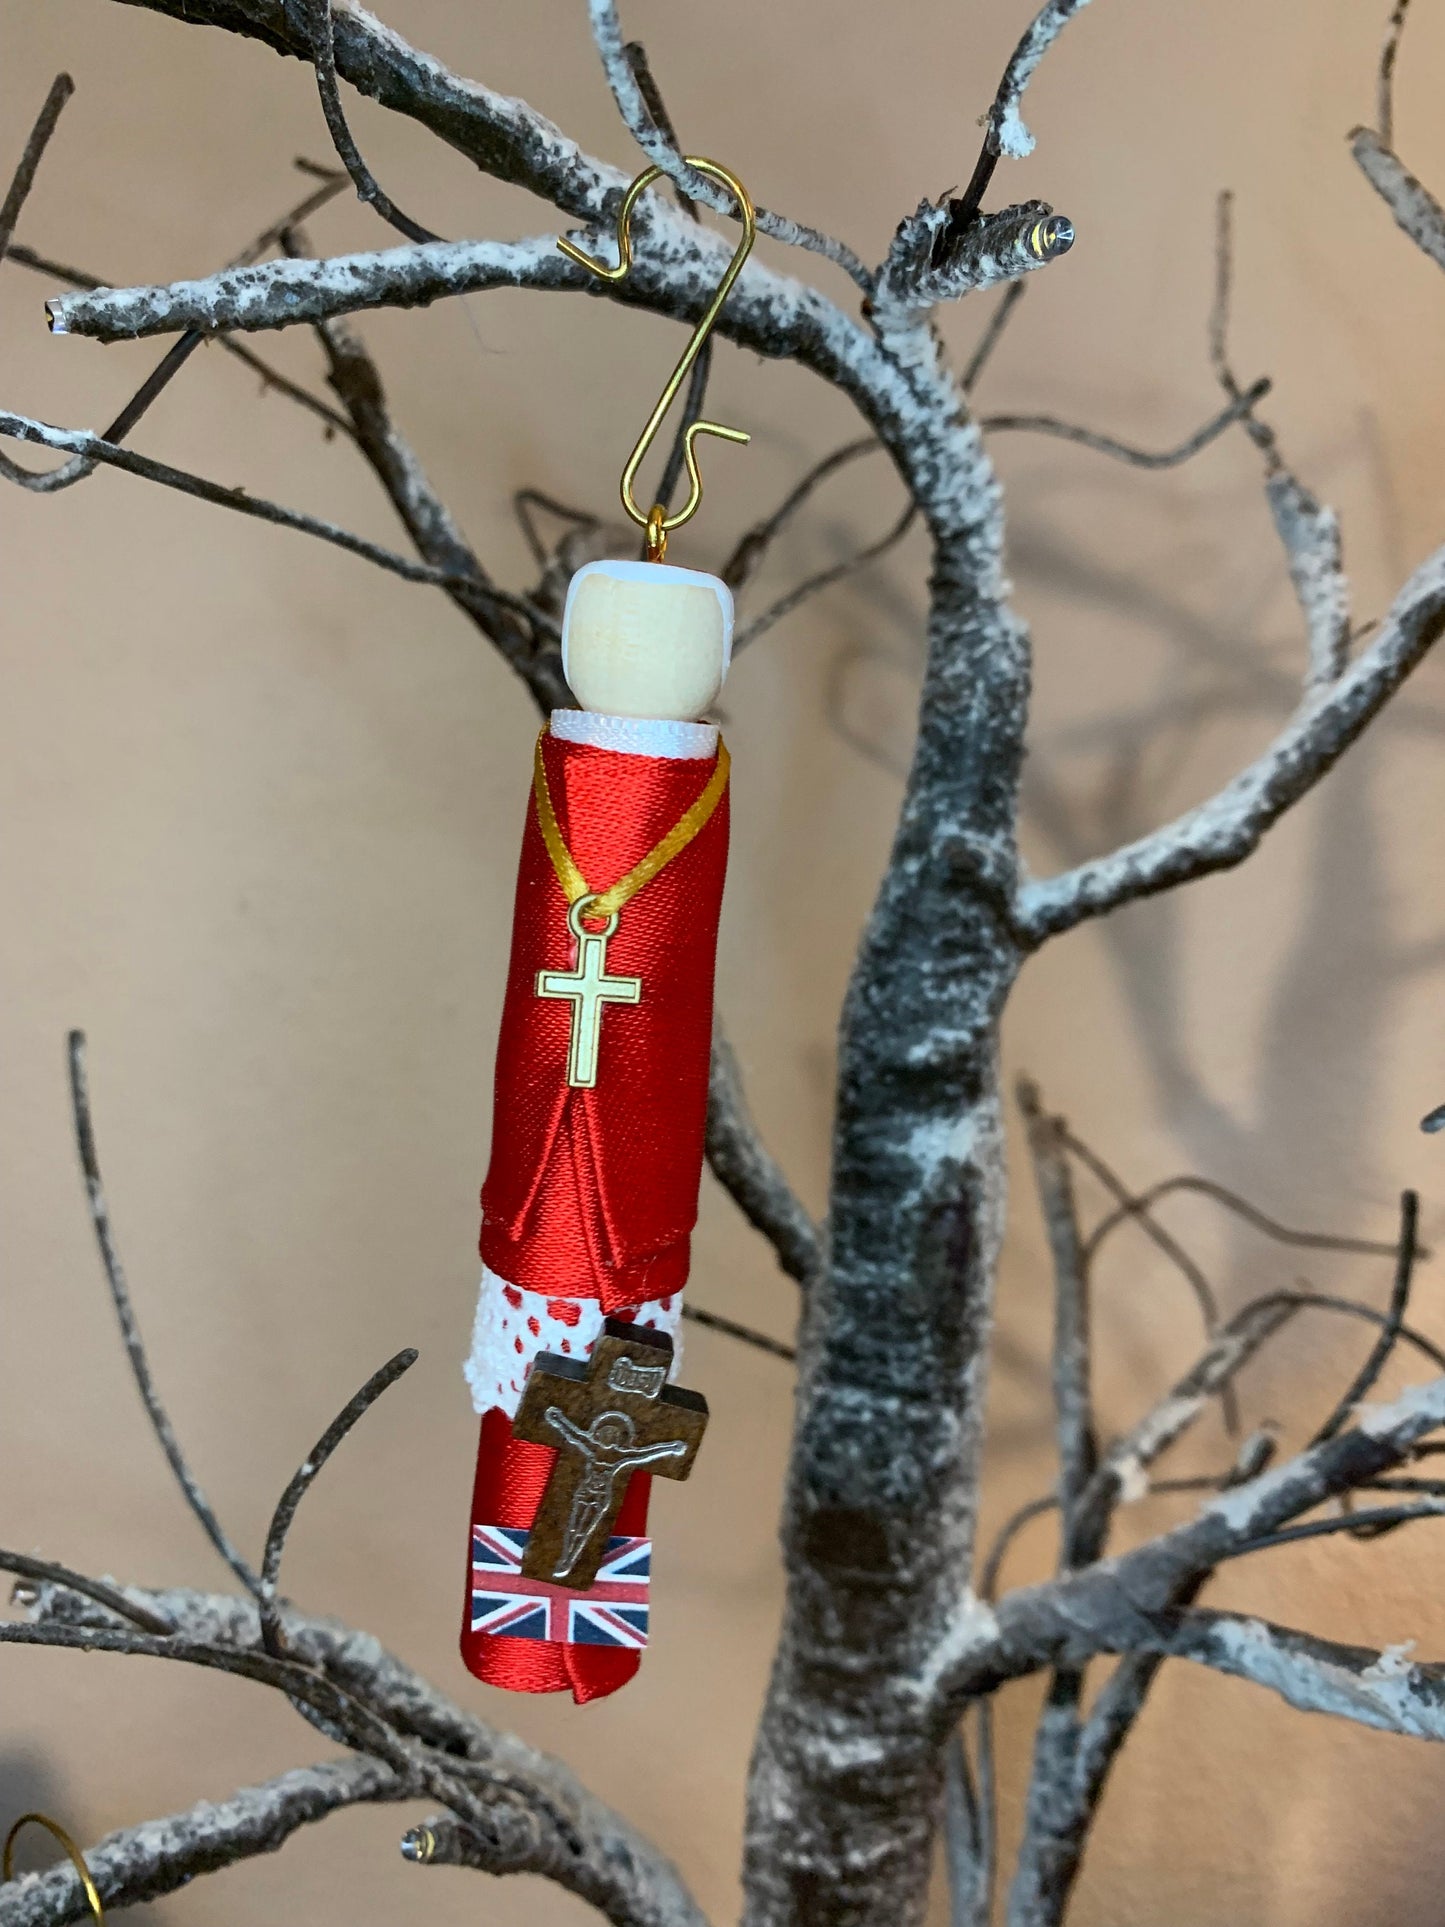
(606, 1448)
(607, 1418)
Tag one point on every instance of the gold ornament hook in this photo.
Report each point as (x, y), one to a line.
(656, 521)
(57, 1832)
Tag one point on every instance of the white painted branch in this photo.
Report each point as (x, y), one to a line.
(1414, 207)
(1224, 831)
(1007, 133)
(1310, 532)
(281, 294)
(159, 1857)
(1385, 1689)
(607, 32)
(1120, 1604)
(932, 258)
(569, 1836)
(504, 137)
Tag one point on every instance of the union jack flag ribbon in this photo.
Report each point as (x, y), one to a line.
(612, 1611)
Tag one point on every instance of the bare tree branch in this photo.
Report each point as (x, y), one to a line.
(1107, 1607)
(745, 1334)
(439, 541)
(1128, 1460)
(1416, 211)
(281, 1520)
(748, 555)
(1386, 1690)
(503, 137)
(998, 321)
(1007, 133)
(1365, 1379)
(1131, 1208)
(566, 1836)
(1073, 1394)
(1242, 1208)
(16, 195)
(654, 142)
(45, 1572)
(963, 1843)
(1125, 451)
(81, 441)
(824, 579)
(1222, 832)
(1308, 529)
(162, 1856)
(129, 1328)
(931, 260)
(747, 1171)
(1385, 92)
(317, 19)
(271, 378)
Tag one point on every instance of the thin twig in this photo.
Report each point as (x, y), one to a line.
(697, 381)
(1242, 1208)
(1385, 94)
(317, 17)
(747, 1334)
(1371, 1523)
(824, 579)
(962, 1835)
(47, 1572)
(527, 499)
(750, 1174)
(82, 442)
(23, 179)
(271, 377)
(1172, 1249)
(633, 107)
(1008, 1532)
(129, 1329)
(169, 365)
(1389, 1333)
(332, 182)
(1072, 1363)
(992, 335)
(1169, 1245)
(301, 1482)
(1125, 451)
(745, 559)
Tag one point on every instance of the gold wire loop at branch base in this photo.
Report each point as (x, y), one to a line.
(657, 528)
(54, 1828)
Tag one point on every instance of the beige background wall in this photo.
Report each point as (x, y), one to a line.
(260, 808)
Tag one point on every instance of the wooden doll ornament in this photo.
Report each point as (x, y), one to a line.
(601, 1100)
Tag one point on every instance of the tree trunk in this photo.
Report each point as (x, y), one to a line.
(879, 1518)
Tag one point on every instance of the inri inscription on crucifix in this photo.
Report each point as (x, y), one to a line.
(609, 1417)
(588, 987)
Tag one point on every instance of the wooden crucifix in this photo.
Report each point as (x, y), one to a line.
(608, 1417)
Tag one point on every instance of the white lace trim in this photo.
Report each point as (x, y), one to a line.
(512, 1326)
(636, 735)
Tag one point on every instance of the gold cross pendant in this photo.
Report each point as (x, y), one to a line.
(588, 987)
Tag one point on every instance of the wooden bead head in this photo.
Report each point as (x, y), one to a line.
(646, 639)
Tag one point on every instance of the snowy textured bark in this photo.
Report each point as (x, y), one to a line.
(884, 1646)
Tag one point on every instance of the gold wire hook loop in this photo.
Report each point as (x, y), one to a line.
(54, 1828)
(655, 521)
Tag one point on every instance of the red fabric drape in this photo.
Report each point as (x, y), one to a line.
(511, 1475)
(593, 1193)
